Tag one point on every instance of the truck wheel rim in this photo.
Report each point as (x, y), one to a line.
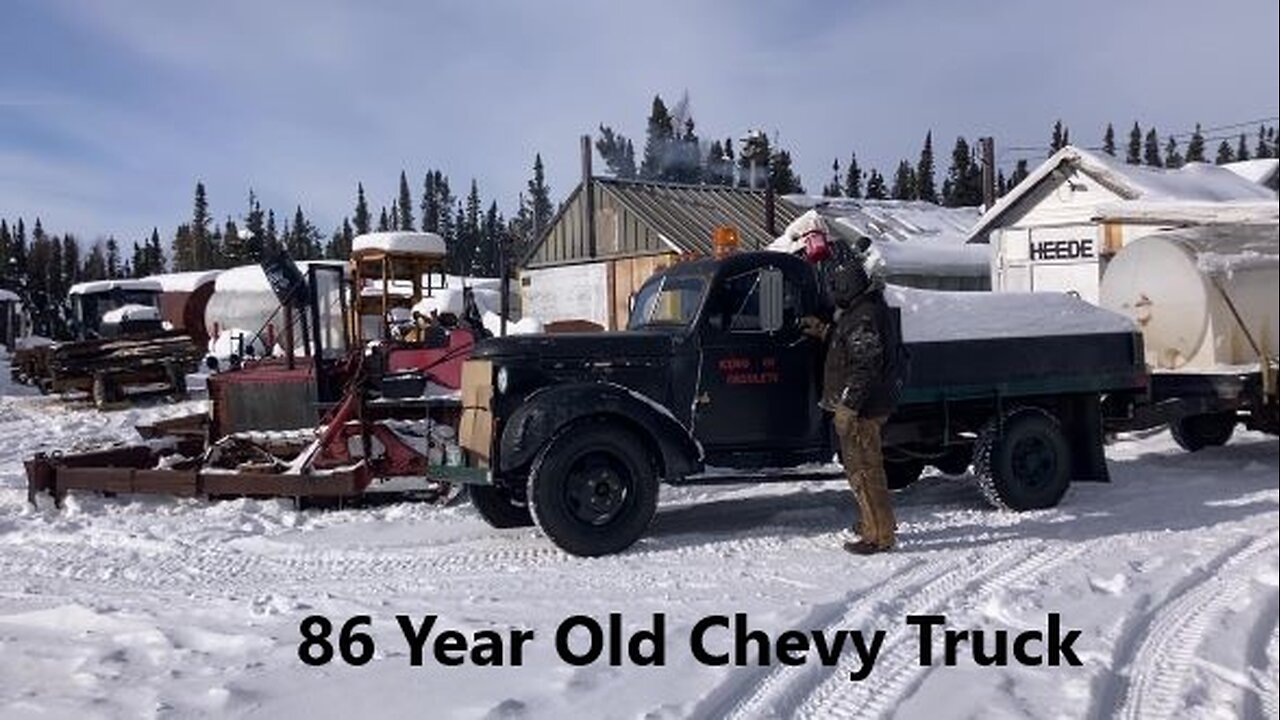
(596, 489)
(1033, 462)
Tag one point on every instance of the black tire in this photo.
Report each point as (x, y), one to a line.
(900, 474)
(499, 506)
(593, 489)
(1024, 462)
(1197, 432)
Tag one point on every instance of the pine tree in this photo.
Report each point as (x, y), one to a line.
(384, 221)
(1109, 141)
(963, 186)
(1195, 147)
(233, 246)
(156, 260)
(1151, 150)
(618, 153)
(95, 265)
(361, 216)
(202, 249)
(1061, 137)
(113, 258)
(876, 189)
(904, 182)
(430, 205)
(539, 197)
(255, 223)
(753, 159)
(71, 265)
(925, 188)
(138, 265)
(303, 240)
(1020, 173)
(1002, 184)
(781, 176)
(1134, 155)
(718, 165)
(1263, 150)
(658, 140)
(853, 178)
(471, 228)
(1225, 154)
(1242, 149)
(404, 205)
(833, 188)
(272, 242)
(184, 259)
(1172, 158)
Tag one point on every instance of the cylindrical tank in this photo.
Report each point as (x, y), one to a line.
(1181, 287)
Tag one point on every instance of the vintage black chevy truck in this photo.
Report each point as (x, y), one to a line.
(578, 430)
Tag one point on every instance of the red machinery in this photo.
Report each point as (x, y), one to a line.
(374, 396)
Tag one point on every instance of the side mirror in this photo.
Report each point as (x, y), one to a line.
(771, 300)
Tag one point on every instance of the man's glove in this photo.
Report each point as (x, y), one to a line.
(813, 327)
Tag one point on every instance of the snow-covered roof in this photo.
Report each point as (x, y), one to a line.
(1185, 213)
(125, 313)
(251, 278)
(422, 243)
(893, 219)
(1193, 182)
(1261, 170)
(913, 236)
(101, 286)
(185, 281)
(7, 296)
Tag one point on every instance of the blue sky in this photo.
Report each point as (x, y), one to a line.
(111, 111)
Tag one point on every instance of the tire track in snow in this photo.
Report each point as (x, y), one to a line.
(762, 686)
(897, 672)
(1163, 661)
(1264, 671)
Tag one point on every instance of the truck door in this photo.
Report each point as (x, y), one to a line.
(757, 386)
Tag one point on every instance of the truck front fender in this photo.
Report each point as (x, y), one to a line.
(550, 410)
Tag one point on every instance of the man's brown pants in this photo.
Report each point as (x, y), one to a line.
(864, 464)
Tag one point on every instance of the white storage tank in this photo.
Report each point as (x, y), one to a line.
(1181, 287)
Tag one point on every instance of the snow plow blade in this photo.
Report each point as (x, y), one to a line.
(133, 470)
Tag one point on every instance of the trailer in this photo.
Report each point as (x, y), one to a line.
(714, 371)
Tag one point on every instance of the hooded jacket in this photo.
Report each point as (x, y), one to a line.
(855, 365)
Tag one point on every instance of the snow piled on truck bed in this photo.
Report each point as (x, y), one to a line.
(938, 315)
(141, 606)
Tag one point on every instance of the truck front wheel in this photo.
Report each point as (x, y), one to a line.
(1197, 432)
(1024, 461)
(593, 490)
(500, 506)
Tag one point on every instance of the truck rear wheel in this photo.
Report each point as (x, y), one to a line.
(1024, 461)
(499, 506)
(593, 490)
(1197, 432)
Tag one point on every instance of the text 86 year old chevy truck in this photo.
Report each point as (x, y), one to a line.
(578, 430)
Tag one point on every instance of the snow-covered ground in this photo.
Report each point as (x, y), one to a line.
(128, 607)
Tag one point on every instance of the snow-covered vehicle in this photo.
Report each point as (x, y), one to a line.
(715, 372)
(119, 343)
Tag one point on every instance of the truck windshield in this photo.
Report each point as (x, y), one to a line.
(669, 301)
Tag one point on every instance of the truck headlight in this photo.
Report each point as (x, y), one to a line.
(501, 380)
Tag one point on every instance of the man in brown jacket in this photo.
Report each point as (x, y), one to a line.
(856, 389)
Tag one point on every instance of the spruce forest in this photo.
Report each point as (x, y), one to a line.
(41, 266)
